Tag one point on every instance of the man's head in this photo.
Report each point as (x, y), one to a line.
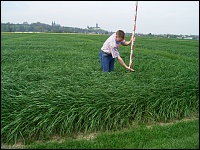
(120, 36)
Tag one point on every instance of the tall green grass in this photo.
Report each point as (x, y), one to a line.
(53, 84)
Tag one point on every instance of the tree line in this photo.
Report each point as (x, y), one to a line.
(42, 27)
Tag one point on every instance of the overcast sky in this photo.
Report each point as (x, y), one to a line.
(156, 17)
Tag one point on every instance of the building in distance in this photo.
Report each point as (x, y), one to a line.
(96, 27)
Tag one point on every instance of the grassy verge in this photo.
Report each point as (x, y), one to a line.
(183, 134)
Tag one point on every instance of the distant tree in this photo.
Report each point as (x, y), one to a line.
(8, 27)
(41, 27)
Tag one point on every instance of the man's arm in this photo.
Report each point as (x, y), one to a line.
(123, 64)
(128, 42)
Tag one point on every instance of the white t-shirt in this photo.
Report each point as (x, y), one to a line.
(111, 45)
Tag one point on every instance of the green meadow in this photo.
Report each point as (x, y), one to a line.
(52, 84)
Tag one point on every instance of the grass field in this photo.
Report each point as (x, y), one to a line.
(183, 134)
(52, 84)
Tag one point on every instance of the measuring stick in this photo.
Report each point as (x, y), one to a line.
(133, 35)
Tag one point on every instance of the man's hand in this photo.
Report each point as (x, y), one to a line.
(132, 38)
(130, 69)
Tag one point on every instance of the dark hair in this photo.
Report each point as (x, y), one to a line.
(120, 34)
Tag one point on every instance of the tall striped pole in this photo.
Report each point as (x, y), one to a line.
(133, 35)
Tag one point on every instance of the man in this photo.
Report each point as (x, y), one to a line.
(109, 51)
